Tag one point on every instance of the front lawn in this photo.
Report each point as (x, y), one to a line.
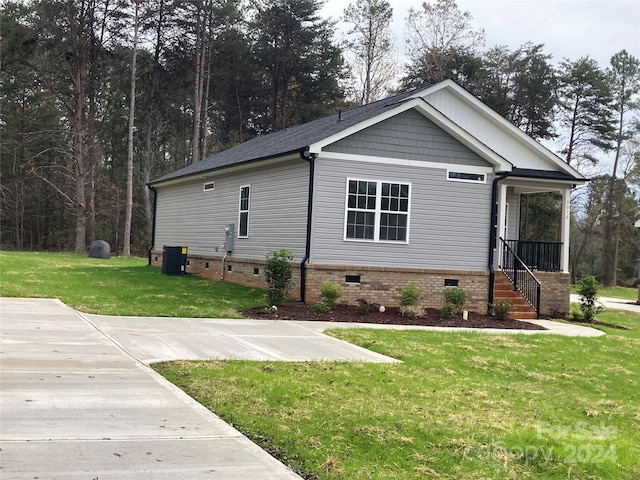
(120, 286)
(460, 406)
(623, 293)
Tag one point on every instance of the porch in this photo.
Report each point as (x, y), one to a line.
(530, 273)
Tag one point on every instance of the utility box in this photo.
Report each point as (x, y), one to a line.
(174, 260)
(228, 239)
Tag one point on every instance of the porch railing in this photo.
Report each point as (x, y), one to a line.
(520, 275)
(541, 256)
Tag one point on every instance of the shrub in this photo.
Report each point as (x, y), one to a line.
(364, 307)
(501, 309)
(412, 311)
(575, 313)
(455, 297)
(588, 290)
(278, 273)
(448, 310)
(330, 293)
(321, 307)
(410, 295)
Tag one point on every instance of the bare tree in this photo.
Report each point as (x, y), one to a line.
(436, 33)
(126, 247)
(370, 43)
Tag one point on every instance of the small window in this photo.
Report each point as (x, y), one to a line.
(206, 264)
(256, 271)
(243, 219)
(450, 282)
(229, 268)
(209, 186)
(352, 279)
(466, 177)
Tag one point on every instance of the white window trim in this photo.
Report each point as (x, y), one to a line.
(213, 186)
(376, 222)
(240, 211)
(470, 171)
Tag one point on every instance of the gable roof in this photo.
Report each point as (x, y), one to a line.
(291, 140)
(316, 134)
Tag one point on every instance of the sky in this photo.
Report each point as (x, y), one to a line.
(568, 28)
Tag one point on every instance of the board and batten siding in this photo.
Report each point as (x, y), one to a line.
(489, 132)
(188, 216)
(408, 136)
(513, 220)
(449, 221)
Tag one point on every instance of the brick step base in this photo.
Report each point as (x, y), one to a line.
(503, 290)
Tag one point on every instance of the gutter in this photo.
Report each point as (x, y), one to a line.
(307, 249)
(153, 220)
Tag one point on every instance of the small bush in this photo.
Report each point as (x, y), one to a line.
(448, 310)
(455, 297)
(278, 273)
(364, 307)
(411, 311)
(270, 310)
(321, 307)
(330, 293)
(501, 309)
(575, 313)
(588, 290)
(410, 295)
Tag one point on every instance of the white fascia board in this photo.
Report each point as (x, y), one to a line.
(405, 162)
(419, 104)
(504, 123)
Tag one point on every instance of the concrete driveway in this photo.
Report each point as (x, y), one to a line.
(78, 400)
(75, 406)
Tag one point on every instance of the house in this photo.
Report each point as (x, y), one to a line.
(424, 186)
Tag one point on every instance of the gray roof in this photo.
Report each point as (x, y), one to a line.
(287, 141)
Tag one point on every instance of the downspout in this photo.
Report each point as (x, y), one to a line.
(307, 249)
(493, 233)
(153, 219)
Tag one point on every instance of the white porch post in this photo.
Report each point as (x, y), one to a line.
(502, 212)
(565, 229)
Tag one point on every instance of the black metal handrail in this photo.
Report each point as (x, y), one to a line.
(541, 256)
(520, 275)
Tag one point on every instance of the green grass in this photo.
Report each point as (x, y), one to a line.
(120, 286)
(613, 292)
(460, 406)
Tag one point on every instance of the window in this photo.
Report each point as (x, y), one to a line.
(209, 186)
(377, 211)
(243, 219)
(466, 177)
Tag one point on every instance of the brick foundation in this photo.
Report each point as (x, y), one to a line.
(383, 285)
(249, 272)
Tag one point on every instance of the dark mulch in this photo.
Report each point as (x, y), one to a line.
(391, 316)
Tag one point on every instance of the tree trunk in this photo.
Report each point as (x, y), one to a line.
(126, 248)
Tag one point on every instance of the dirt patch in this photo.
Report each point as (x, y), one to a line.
(391, 316)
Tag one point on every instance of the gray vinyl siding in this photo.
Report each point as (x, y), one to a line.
(188, 216)
(410, 136)
(449, 221)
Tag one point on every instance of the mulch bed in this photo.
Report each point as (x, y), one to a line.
(391, 316)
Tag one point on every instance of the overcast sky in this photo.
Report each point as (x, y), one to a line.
(568, 28)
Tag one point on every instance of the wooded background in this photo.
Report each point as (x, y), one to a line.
(101, 96)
